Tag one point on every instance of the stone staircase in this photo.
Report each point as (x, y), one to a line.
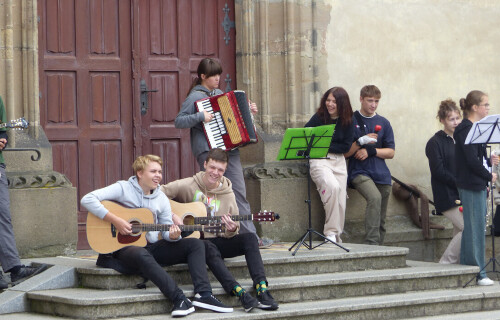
(369, 282)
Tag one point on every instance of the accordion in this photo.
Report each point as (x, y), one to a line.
(232, 125)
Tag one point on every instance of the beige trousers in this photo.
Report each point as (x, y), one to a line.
(330, 177)
(452, 252)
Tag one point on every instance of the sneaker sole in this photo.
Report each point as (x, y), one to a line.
(267, 307)
(40, 270)
(182, 313)
(250, 309)
(212, 307)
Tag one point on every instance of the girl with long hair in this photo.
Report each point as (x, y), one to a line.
(472, 179)
(330, 175)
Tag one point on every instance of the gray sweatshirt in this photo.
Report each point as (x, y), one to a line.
(130, 194)
(189, 117)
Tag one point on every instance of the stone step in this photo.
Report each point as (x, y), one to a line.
(479, 300)
(278, 262)
(93, 303)
(482, 315)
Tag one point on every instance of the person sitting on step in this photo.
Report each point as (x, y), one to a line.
(142, 191)
(213, 189)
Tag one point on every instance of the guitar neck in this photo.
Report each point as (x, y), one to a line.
(166, 227)
(217, 219)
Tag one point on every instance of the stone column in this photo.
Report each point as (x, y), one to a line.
(279, 54)
(43, 202)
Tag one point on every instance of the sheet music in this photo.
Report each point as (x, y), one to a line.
(486, 130)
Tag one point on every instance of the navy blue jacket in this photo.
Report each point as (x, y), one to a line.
(470, 171)
(440, 150)
(342, 136)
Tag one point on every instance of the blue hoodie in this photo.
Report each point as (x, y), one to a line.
(130, 194)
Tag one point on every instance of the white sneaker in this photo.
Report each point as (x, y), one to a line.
(332, 238)
(485, 282)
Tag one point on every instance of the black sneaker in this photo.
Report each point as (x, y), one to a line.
(26, 273)
(210, 303)
(266, 301)
(182, 308)
(248, 302)
(3, 283)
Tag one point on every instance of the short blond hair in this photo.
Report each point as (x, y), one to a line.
(141, 162)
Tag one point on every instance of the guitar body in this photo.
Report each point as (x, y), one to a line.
(104, 238)
(187, 212)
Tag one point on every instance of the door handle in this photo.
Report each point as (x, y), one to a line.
(144, 97)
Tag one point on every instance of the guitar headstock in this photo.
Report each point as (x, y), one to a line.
(213, 228)
(265, 216)
(20, 124)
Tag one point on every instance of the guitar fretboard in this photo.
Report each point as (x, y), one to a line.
(166, 227)
(217, 219)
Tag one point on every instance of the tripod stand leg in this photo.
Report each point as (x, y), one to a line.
(301, 239)
(326, 239)
(301, 243)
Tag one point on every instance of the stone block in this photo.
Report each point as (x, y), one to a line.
(44, 220)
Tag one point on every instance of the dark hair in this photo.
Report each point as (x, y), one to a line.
(473, 98)
(446, 107)
(344, 109)
(370, 91)
(217, 154)
(209, 67)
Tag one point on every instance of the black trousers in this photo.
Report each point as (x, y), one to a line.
(149, 261)
(242, 244)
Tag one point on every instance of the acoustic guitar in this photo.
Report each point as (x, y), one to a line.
(104, 238)
(195, 213)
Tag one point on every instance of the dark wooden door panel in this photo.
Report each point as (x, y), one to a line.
(92, 57)
(86, 91)
(174, 37)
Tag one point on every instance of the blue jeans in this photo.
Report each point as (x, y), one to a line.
(473, 236)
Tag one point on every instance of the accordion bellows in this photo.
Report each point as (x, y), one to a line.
(232, 125)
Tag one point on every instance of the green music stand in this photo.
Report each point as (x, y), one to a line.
(307, 143)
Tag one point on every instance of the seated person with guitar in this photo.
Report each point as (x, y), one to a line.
(142, 191)
(214, 190)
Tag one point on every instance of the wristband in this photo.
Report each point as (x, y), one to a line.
(371, 150)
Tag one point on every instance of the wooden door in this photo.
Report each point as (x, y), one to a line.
(93, 55)
(173, 36)
(86, 104)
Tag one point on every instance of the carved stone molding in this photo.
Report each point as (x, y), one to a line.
(27, 180)
(276, 170)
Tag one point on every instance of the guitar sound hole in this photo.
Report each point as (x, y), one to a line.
(136, 227)
(188, 220)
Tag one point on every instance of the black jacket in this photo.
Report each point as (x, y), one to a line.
(470, 171)
(342, 136)
(440, 150)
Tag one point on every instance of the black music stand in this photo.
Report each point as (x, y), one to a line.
(307, 143)
(487, 130)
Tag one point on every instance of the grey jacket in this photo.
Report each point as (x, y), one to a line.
(189, 117)
(129, 194)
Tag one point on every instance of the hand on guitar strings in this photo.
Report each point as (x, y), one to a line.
(123, 226)
(174, 232)
(177, 220)
(231, 226)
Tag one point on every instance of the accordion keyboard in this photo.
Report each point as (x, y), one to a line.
(215, 128)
